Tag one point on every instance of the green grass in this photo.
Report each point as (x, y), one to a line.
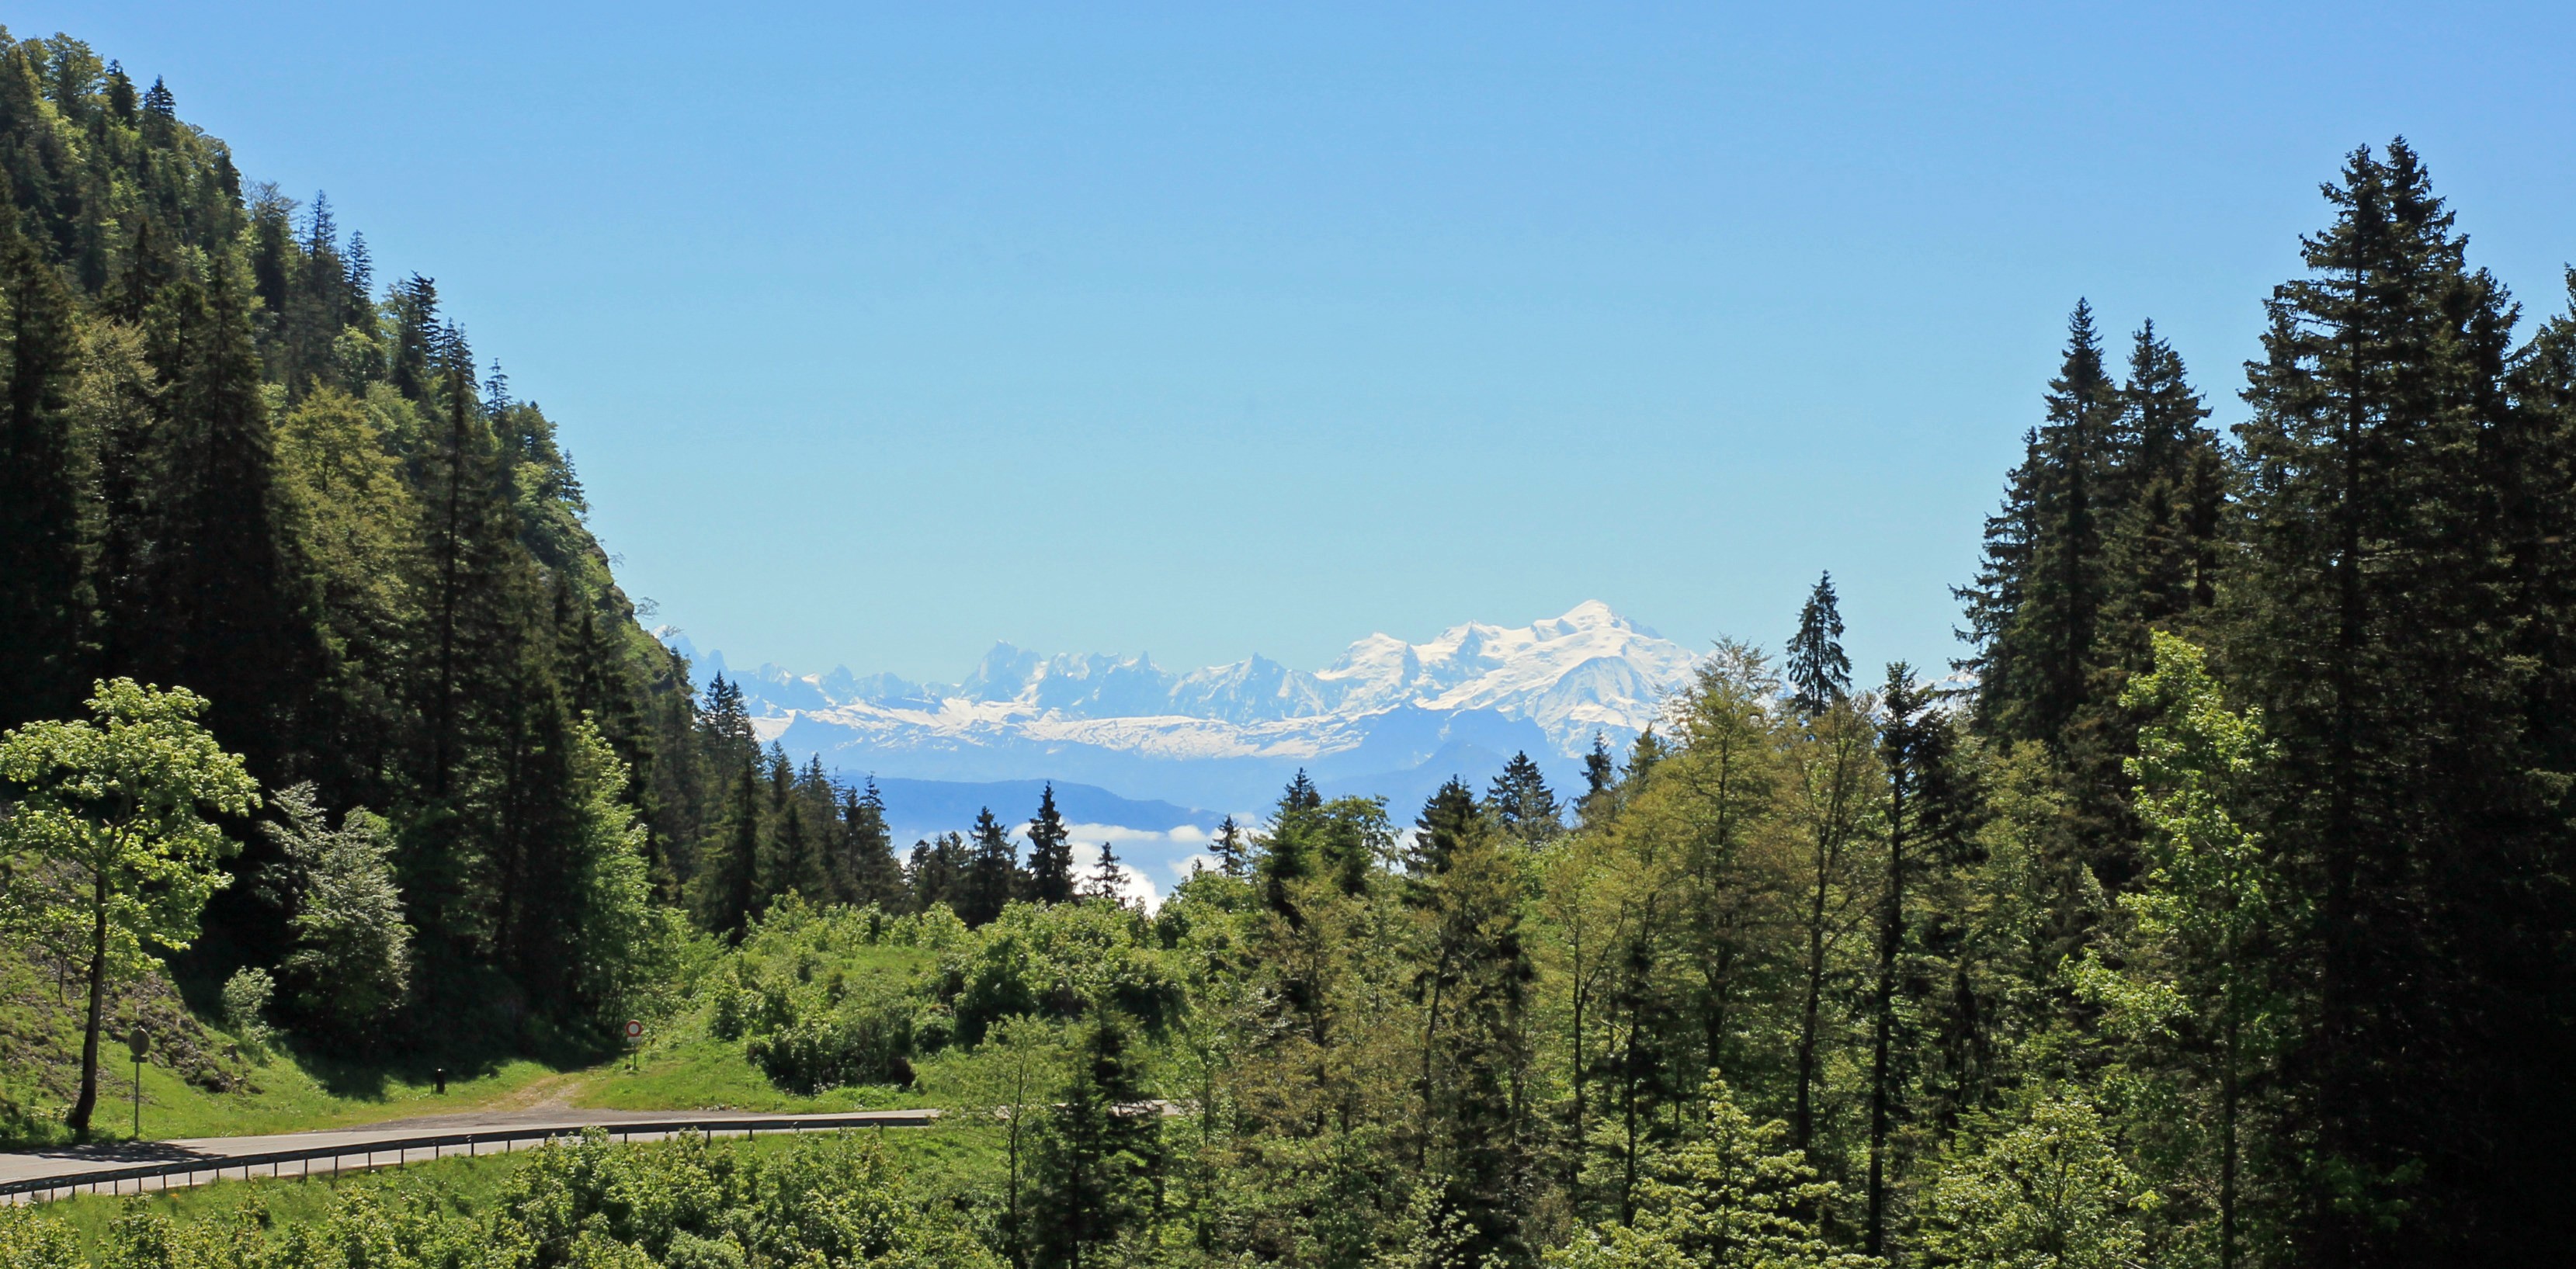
(292, 1097)
(940, 1159)
(458, 1184)
(681, 1067)
(700, 1072)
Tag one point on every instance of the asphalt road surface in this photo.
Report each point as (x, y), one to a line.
(390, 1144)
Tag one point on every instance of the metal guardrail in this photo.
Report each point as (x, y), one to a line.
(203, 1168)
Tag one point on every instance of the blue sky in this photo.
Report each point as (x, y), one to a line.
(883, 333)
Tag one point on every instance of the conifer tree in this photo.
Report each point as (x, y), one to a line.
(44, 593)
(1300, 795)
(869, 870)
(2035, 608)
(936, 871)
(1819, 671)
(1101, 1144)
(992, 871)
(2167, 497)
(233, 604)
(1108, 879)
(1600, 775)
(1229, 847)
(2372, 629)
(728, 887)
(1522, 803)
(1908, 743)
(1472, 983)
(1050, 853)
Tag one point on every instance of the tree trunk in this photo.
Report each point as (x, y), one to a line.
(1803, 1120)
(1574, 1156)
(2227, 1150)
(88, 1102)
(1891, 934)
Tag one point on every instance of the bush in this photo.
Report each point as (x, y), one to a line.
(246, 996)
(1057, 962)
(820, 999)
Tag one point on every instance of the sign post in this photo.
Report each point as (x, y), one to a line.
(140, 1043)
(634, 1045)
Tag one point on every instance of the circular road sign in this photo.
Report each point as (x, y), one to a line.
(634, 1029)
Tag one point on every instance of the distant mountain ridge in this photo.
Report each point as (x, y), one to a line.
(1224, 735)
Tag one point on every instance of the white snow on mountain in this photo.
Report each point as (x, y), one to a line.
(1383, 709)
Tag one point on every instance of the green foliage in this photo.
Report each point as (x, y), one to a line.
(352, 956)
(816, 1010)
(1733, 1197)
(110, 853)
(2047, 1192)
(245, 998)
(838, 1200)
(1098, 1147)
(1058, 962)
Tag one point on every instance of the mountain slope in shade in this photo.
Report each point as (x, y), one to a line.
(1227, 735)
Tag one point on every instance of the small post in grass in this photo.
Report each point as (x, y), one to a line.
(634, 1046)
(141, 1044)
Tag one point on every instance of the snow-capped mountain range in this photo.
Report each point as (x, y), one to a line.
(1388, 717)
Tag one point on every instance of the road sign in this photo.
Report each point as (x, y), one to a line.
(634, 1029)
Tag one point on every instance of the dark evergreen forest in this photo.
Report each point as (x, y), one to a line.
(2227, 916)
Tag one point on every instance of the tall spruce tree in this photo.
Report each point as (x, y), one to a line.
(728, 886)
(991, 875)
(1522, 803)
(45, 596)
(1472, 983)
(868, 868)
(1230, 846)
(1050, 852)
(2036, 604)
(2376, 628)
(1818, 670)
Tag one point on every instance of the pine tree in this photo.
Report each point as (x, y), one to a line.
(1909, 743)
(937, 872)
(1108, 879)
(1050, 853)
(870, 874)
(1600, 770)
(2167, 497)
(232, 600)
(1819, 671)
(1099, 1150)
(2373, 629)
(728, 888)
(1300, 795)
(413, 306)
(1522, 803)
(1230, 847)
(1472, 981)
(2034, 610)
(45, 596)
(992, 868)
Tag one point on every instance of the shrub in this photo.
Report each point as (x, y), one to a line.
(246, 996)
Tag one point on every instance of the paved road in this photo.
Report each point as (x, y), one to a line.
(399, 1141)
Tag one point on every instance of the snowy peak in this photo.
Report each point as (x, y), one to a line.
(1587, 671)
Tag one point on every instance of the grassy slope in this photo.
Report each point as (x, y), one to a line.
(940, 1161)
(681, 1067)
(457, 1184)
